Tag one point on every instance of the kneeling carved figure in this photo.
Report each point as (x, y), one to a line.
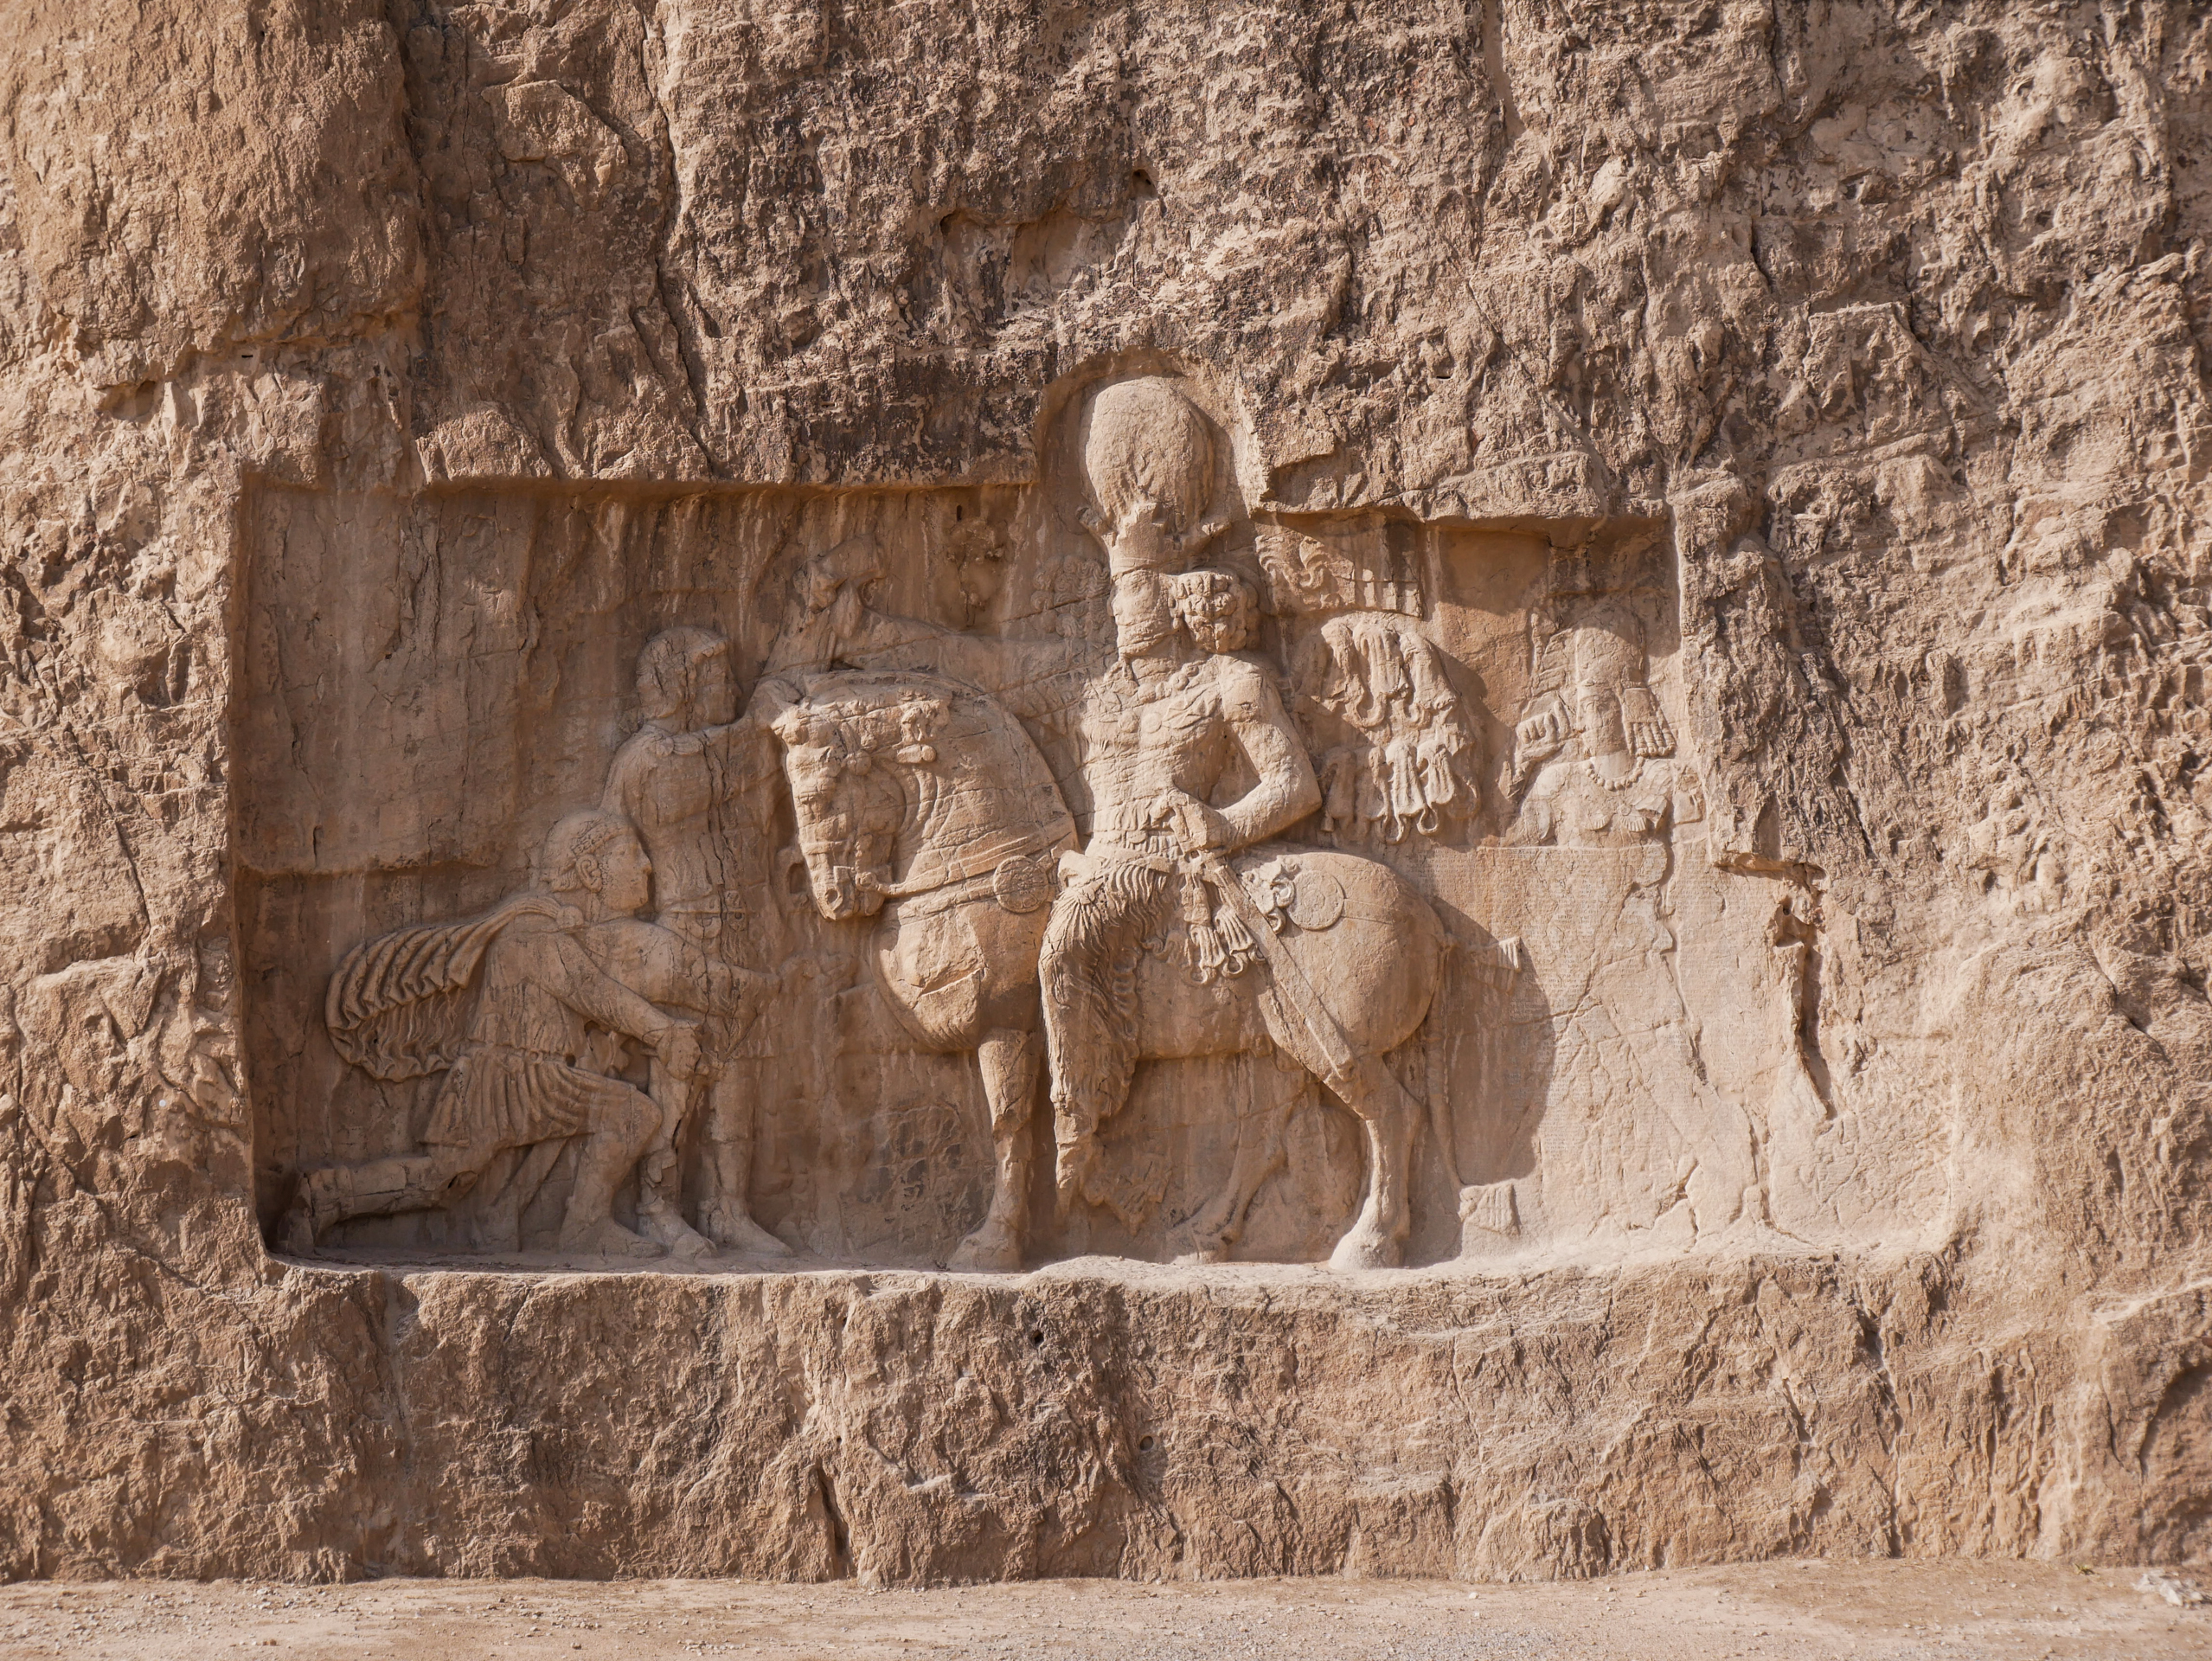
(527, 1011)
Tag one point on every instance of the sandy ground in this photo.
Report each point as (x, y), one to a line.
(2018, 1612)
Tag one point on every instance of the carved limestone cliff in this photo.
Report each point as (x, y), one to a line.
(992, 789)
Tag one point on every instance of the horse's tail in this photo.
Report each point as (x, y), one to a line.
(1436, 1065)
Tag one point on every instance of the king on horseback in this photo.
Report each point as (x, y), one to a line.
(1188, 758)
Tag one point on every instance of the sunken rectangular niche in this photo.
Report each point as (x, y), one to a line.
(941, 791)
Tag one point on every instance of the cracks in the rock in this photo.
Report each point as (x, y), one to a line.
(668, 282)
(1494, 67)
(401, 1307)
(840, 1534)
(1889, 1420)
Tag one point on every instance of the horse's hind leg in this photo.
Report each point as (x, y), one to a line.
(1009, 1060)
(1260, 1155)
(1376, 1239)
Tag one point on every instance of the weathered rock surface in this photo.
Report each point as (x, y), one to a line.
(1821, 387)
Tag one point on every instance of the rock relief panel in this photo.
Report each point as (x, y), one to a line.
(979, 876)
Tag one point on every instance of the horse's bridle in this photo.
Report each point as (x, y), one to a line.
(965, 868)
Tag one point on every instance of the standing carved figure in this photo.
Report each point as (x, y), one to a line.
(685, 778)
(1643, 1134)
(1188, 759)
(558, 979)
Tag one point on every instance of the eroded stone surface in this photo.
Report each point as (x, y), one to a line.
(1562, 645)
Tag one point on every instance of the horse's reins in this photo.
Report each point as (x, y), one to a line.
(964, 867)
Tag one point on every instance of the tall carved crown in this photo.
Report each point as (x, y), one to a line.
(1146, 442)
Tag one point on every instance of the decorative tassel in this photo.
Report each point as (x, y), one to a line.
(1204, 947)
(1238, 946)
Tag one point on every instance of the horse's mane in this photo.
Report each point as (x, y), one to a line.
(866, 697)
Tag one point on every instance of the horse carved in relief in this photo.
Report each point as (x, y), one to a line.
(923, 803)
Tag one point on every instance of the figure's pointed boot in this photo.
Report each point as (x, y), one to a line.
(327, 1197)
(312, 1209)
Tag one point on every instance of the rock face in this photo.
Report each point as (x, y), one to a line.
(983, 789)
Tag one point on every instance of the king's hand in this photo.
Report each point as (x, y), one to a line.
(1543, 730)
(1198, 828)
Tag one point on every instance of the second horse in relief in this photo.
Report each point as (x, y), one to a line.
(920, 797)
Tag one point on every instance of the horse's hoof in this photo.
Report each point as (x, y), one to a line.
(1362, 1250)
(987, 1251)
(1203, 1246)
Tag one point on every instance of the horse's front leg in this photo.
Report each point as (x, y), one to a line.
(1010, 1061)
(1376, 1239)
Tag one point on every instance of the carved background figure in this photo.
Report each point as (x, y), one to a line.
(1638, 1138)
(1596, 701)
(683, 779)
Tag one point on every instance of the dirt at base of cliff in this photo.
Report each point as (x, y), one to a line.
(1806, 1608)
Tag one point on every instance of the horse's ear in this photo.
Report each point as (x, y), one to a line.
(790, 725)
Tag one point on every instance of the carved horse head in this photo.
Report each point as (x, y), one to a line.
(847, 761)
